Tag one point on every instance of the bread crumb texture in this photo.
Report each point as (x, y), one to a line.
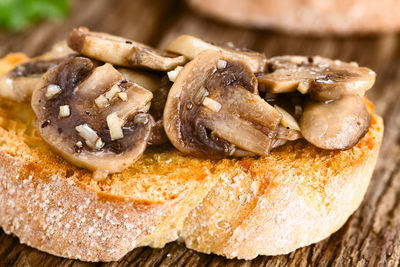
(297, 195)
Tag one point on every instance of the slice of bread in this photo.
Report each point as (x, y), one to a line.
(233, 207)
(307, 16)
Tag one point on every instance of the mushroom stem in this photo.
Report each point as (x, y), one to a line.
(257, 110)
(102, 77)
(237, 131)
(121, 51)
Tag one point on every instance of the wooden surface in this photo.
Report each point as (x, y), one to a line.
(369, 238)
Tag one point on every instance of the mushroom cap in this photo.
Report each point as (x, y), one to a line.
(210, 111)
(324, 79)
(338, 124)
(190, 47)
(120, 51)
(80, 82)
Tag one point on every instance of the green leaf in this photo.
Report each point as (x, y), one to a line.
(18, 14)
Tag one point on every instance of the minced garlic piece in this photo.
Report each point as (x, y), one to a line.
(99, 143)
(123, 96)
(212, 104)
(221, 64)
(101, 101)
(52, 91)
(90, 136)
(79, 144)
(303, 87)
(115, 89)
(64, 111)
(174, 73)
(115, 125)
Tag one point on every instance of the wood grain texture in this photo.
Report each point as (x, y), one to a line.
(371, 235)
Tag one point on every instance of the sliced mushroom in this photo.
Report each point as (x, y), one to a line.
(102, 138)
(324, 79)
(121, 51)
(19, 83)
(338, 124)
(211, 111)
(190, 47)
(160, 88)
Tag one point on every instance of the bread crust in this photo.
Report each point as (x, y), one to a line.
(307, 16)
(61, 218)
(233, 207)
(269, 209)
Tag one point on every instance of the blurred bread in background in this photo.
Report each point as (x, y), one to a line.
(319, 17)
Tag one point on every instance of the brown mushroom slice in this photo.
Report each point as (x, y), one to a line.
(338, 124)
(104, 139)
(324, 79)
(190, 47)
(121, 51)
(213, 112)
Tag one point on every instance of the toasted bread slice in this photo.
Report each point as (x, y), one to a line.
(242, 208)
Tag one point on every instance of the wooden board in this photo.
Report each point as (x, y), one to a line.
(371, 235)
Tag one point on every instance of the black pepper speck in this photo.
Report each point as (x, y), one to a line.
(45, 124)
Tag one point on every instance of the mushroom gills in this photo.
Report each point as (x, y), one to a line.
(211, 111)
(190, 47)
(102, 139)
(338, 124)
(324, 79)
(121, 51)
